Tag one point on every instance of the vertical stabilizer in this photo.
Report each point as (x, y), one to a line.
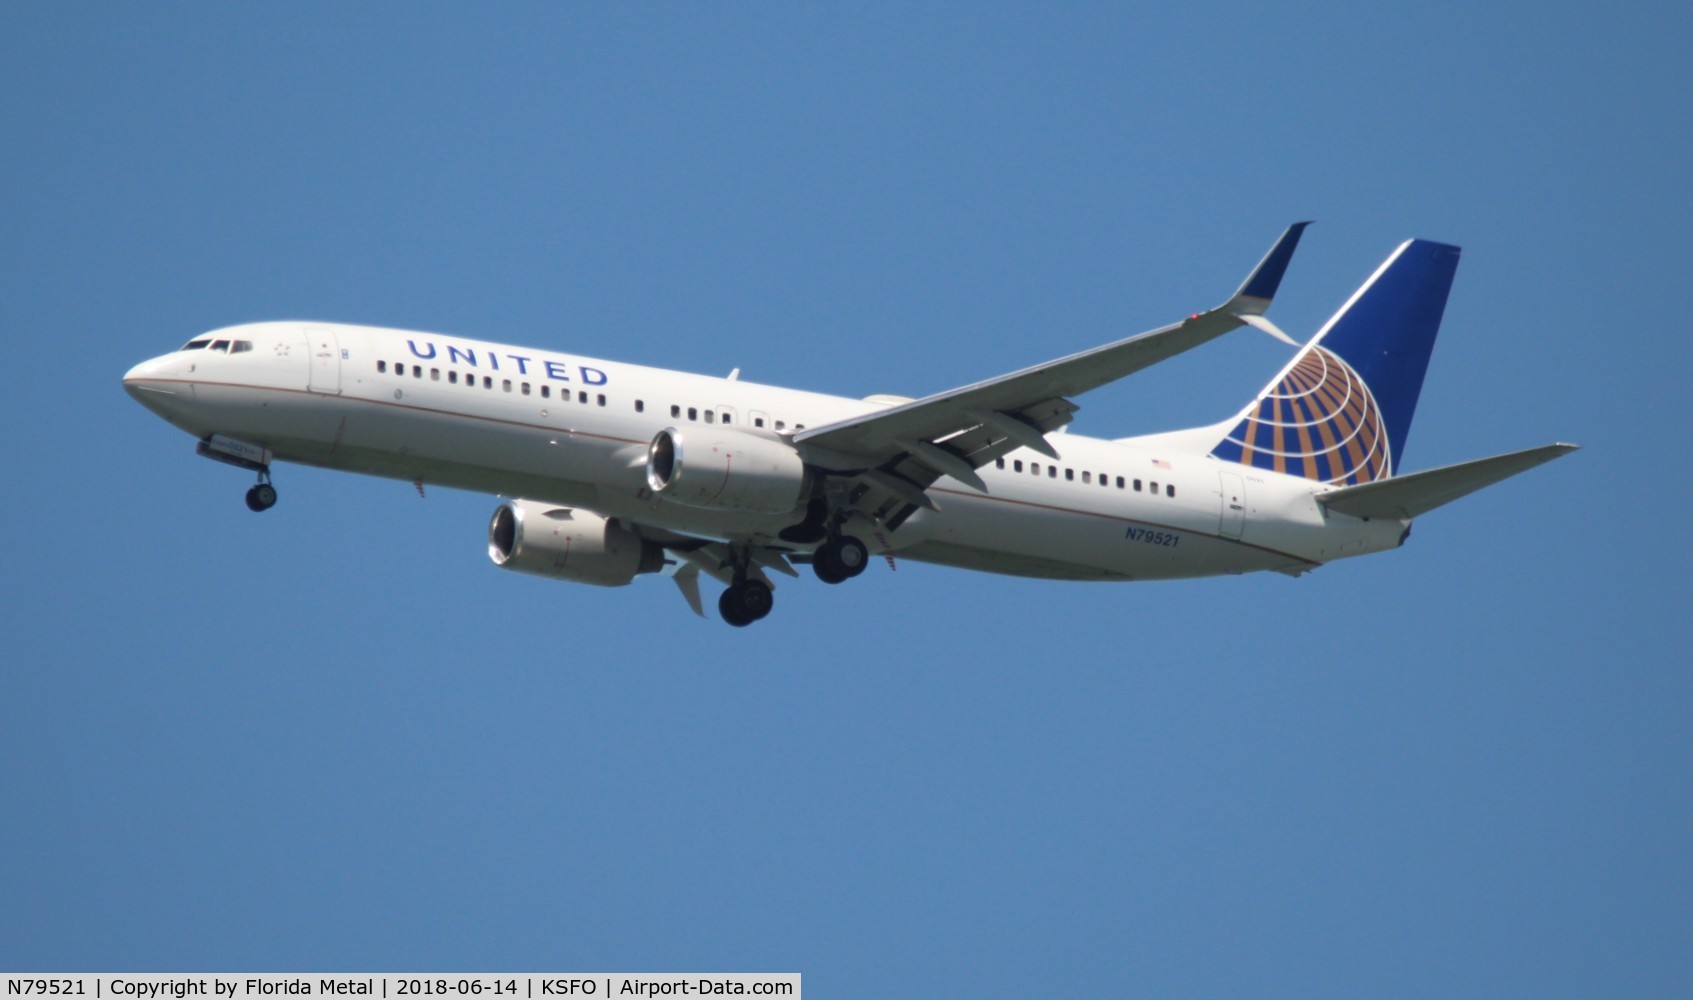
(1341, 410)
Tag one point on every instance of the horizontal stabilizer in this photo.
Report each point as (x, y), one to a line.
(1409, 495)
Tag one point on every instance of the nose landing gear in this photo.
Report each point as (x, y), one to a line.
(262, 496)
(242, 455)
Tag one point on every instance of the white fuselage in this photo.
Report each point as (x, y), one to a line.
(574, 431)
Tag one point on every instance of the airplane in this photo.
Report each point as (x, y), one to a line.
(617, 470)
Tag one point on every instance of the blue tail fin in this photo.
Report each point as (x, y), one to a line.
(1340, 412)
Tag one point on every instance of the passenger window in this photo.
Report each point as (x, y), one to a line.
(1017, 466)
(780, 425)
(526, 388)
(416, 371)
(999, 463)
(600, 399)
(487, 381)
(1104, 480)
(710, 417)
(1034, 468)
(505, 384)
(1087, 478)
(693, 413)
(1070, 475)
(675, 411)
(582, 397)
(1052, 472)
(1170, 490)
(758, 421)
(1137, 486)
(382, 368)
(1155, 488)
(640, 407)
(1119, 482)
(434, 374)
(546, 391)
(799, 427)
(452, 378)
(726, 417)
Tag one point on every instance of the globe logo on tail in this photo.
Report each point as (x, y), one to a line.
(1320, 421)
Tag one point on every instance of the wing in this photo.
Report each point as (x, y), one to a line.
(896, 454)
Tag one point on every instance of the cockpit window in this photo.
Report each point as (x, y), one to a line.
(195, 345)
(221, 346)
(240, 346)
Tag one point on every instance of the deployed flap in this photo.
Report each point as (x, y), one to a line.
(1410, 495)
(875, 438)
(688, 581)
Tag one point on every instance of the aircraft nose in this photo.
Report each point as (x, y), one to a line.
(145, 384)
(140, 375)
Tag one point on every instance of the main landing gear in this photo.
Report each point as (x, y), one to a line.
(748, 597)
(839, 558)
(747, 600)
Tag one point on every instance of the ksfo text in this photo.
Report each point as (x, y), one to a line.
(673, 987)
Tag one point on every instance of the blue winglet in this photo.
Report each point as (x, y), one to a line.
(1267, 276)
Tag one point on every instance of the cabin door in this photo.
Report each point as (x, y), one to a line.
(325, 350)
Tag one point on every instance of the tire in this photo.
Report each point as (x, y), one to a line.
(261, 498)
(851, 555)
(826, 567)
(756, 599)
(840, 558)
(745, 602)
(730, 609)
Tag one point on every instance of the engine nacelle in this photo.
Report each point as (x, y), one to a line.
(568, 544)
(721, 469)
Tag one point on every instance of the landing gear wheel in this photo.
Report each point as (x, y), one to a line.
(851, 554)
(731, 611)
(826, 569)
(261, 497)
(745, 602)
(840, 558)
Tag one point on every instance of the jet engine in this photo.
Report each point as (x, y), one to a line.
(721, 469)
(568, 544)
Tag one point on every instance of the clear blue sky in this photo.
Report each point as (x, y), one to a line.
(336, 737)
